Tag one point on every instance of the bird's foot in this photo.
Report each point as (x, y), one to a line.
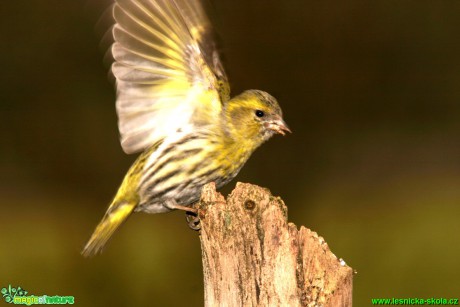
(193, 220)
(191, 214)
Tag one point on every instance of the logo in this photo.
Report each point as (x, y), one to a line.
(19, 296)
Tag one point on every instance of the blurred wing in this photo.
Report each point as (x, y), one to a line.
(168, 72)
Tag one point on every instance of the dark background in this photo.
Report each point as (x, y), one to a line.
(370, 89)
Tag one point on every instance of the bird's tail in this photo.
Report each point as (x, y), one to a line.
(117, 213)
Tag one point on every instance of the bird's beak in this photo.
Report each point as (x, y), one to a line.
(278, 126)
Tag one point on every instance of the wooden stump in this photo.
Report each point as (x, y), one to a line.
(253, 257)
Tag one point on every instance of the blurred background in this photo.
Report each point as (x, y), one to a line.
(370, 89)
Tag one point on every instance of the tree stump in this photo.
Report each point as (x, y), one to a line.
(253, 257)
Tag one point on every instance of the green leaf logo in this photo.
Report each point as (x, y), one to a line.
(10, 293)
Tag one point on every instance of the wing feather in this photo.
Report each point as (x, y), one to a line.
(169, 75)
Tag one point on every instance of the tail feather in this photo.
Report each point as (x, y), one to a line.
(114, 217)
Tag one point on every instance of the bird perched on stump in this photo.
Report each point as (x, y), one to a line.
(174, 105)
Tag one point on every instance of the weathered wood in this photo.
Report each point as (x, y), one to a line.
(253, 257)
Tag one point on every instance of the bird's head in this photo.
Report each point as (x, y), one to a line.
(254, 116)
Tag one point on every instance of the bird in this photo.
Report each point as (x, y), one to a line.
(174, 106)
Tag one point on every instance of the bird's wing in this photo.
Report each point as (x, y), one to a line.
(168, 73)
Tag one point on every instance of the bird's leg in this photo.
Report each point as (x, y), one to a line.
(173, 205)
(191, 214)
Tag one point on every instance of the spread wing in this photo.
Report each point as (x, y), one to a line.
(168, 73)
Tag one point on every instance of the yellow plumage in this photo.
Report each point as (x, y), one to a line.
(173, 103)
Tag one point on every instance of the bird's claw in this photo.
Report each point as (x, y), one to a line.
(193, 220)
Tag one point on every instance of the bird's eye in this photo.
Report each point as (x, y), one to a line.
(260, 113)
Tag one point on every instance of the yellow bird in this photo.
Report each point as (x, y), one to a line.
(173, 104)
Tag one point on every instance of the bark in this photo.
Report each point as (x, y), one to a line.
(253, 257)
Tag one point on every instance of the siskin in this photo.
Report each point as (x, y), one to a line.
(173, 103)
